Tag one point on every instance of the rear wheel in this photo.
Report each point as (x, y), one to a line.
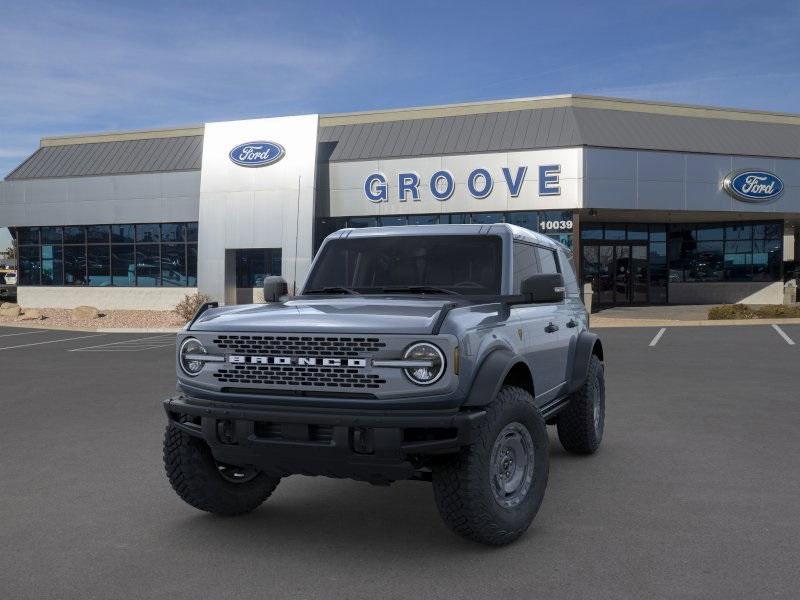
(209, 485)
(581, 423)
(491, 491)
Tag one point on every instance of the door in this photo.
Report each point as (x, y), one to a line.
(542, 328)
(618, 273)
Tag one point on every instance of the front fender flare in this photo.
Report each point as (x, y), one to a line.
(584, 348)
(490, 377)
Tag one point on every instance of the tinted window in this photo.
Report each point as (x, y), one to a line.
(526, 264)
(547, 260)
(74, 235)
(173, 232)
(75, 265)
(148, 263)
(253, 265)
(122, 234)
(123, 266)
(99, 264)
(173, 265)
(394, 220)
(568, 269)
(148, 233)
(423, 219)
(97, 234)
(469, 264)
(52, 265)
(51, 235)
(28, 235)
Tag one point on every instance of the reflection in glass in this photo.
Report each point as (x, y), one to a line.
(99, 265)
(52, 265)
(173, 265)
(123, 266)
(148, 265)
(74, 265)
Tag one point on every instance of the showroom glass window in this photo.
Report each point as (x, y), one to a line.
(128, 255)
(746, 251)
(555, 224)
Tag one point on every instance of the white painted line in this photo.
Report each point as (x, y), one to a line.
(658, 337)
(52, 341)
(25, 333)
(782, 333)
(150, 338)
(124, 348)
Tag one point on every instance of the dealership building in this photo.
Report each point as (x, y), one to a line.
(661, 203)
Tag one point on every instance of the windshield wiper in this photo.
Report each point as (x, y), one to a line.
(333, 290)
(420, 289)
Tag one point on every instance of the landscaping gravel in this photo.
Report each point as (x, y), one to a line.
(59, 318)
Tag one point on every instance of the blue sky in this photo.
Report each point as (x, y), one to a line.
(74, 67)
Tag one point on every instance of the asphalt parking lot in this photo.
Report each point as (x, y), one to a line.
(694, 494)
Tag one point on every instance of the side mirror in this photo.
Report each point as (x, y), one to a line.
(544, 287)
(274, 287)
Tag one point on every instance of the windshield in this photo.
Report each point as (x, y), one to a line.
(420, 264)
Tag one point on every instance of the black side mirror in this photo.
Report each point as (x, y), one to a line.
(274, 287)
(544, 287)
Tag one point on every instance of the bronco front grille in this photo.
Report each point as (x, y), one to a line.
(295, 376)
(318, 377)
(295, 345)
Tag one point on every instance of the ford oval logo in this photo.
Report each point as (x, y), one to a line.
(257, 154)
(753, 186)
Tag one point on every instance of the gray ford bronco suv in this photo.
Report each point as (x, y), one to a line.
(435, 353)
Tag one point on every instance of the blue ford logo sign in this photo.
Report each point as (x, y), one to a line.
(753, 186)
(257, 154)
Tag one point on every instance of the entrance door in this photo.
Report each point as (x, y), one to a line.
(618, 272)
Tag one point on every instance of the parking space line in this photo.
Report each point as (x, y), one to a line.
(82, 337)
(657, 337)
(782, 333)
(148, 341)
(23, 333)
(137, 348)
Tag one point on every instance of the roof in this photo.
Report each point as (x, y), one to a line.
(516, 232)
(503, 125)
(182, 153)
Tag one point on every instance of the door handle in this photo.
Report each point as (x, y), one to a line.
(551, 328)
(572, 323)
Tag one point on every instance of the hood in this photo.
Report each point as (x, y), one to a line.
(334, 315)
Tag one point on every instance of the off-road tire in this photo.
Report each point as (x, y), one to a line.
(195, 476)
(577, 430)
(462, 482)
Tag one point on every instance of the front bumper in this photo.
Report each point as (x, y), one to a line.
(376, 446)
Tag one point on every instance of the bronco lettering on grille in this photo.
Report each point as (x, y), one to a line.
(300, 361)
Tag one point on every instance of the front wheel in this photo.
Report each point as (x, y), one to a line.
(491, 491)
(209, 485)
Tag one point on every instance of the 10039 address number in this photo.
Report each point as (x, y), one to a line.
(565, 225)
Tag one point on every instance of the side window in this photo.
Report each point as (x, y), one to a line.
(547, 260)
(568, 269)
(526, 263)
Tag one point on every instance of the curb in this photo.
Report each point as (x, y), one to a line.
(125, 330)
(41, 325)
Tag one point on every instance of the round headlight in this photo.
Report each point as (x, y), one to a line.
(431, 363)
(190, 349)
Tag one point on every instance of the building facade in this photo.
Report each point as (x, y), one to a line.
(661, 203)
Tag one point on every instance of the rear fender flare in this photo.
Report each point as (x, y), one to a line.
(588, 343)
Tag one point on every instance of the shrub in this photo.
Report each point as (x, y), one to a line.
(746, 311)
(779, 311)
(191, 303)
(731, 311)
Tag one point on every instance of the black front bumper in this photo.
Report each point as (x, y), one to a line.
(375, 446)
